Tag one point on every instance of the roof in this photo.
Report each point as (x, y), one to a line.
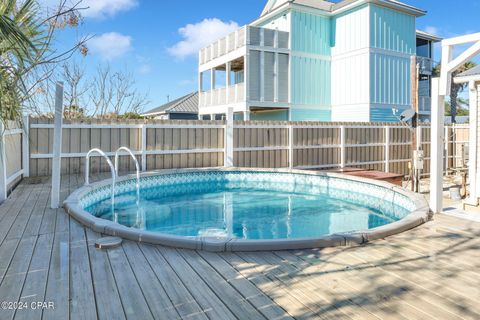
(475, 71)
(185, 104)
(428, 36)
(332, 7)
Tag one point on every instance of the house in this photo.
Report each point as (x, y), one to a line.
(314, 60)
(425, 60)
(472, 78)
(183, 108)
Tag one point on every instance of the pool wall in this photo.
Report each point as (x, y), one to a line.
(336, 185)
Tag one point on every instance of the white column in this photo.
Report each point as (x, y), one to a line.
(57, 147)
(473, 146)
(437, 140)
(228, 81)
(212, 85)
(228, 154)
(246, 115)
(26, 147)
(3, 165)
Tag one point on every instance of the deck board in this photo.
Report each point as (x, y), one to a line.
(431, 272)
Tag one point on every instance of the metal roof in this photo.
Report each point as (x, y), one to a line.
(332, 6)
(428, 36)
(185, 104)
(475, 71)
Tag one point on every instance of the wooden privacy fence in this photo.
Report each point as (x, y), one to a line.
(195, 144)
(13, 164)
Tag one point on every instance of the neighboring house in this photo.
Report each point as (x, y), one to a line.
(425, 59)
(184, 108)
(315, 60)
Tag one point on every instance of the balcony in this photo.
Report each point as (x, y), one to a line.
(424, 104)
(234, 45)
(426, 65)
(232, 95)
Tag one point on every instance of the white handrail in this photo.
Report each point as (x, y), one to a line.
(137, 167)
(112, 169)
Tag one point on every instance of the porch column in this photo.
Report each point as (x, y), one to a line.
(246, 115)
(437, 140)
(228, 68)
(473, 147)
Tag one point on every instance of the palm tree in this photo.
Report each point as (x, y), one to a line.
(455, 88)
(21, 37)
(458, 87)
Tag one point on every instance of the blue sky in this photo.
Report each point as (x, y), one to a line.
(157, 40)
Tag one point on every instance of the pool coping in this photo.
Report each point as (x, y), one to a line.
(418, 217)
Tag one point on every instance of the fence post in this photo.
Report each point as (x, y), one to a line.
(342, 147)
(57, 147)
(26, 146)
(144, 148)
(228, 140)
(387, 149)
(3, 165)
(290, 146)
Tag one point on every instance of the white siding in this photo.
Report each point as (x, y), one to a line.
(350, 80)
(351, 31)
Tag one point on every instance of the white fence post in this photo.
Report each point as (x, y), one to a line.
(57, 147)
(387, 149)
(437, 136)
(3, 165)
(26, 147)
(144, 148)
(342, 147)
(290, 146)
(228, 154)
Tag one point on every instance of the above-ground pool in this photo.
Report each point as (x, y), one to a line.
(248, 209)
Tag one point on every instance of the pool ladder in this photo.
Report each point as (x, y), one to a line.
(114, 172)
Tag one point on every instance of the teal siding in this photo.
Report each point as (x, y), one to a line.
(384, 115)
(311, 81)
(390, 80)
(311, 33)
(392, 30)
(310, 115)
(274, 115)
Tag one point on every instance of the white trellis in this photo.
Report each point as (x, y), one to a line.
(440, 89)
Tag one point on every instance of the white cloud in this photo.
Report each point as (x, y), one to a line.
(199, 35)
(95, 8)
(110, 45)
(144, 69)
(432, 30)
(106, 8)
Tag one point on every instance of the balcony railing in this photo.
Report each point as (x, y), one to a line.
(218, 97)
(424, 104)
(246, 35)
(426, 65)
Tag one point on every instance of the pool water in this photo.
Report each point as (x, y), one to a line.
(227, 211)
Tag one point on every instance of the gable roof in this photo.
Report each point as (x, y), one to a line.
(185, 104)
(331, 7)
(475, 71)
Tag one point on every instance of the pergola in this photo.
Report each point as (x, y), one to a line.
(440, 89)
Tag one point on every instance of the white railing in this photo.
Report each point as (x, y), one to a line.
(14, 156)
(425, 104)
(426, 65)
(231, 42)
(218, 97)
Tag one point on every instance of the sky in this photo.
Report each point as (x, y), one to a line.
(158, 40)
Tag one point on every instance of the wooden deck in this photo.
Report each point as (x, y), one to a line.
(432, 272)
